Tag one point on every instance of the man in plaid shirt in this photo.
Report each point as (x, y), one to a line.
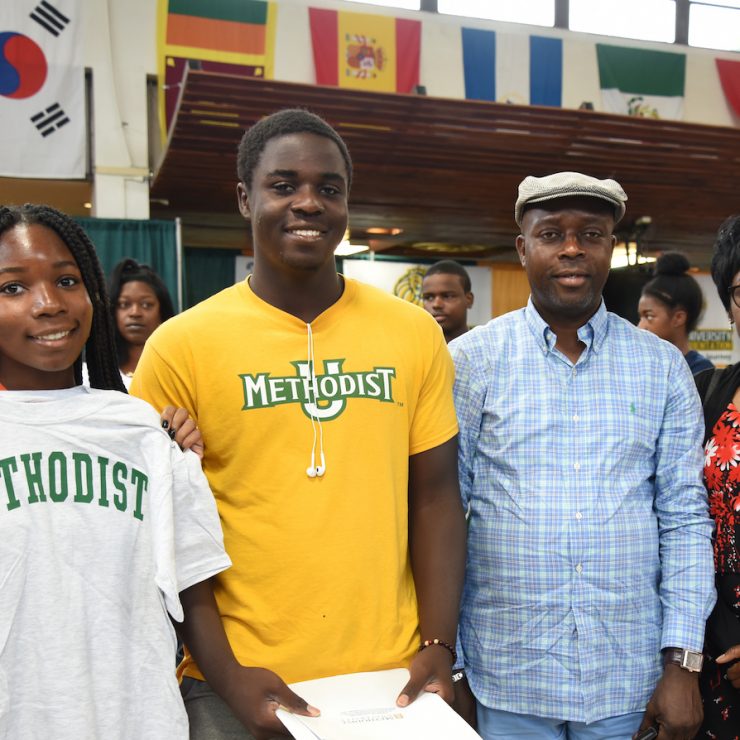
(589, 575)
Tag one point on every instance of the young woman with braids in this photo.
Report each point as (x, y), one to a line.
(670, 306)
(103, 520)
(140, 302)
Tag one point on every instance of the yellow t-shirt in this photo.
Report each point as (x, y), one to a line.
(321, 582)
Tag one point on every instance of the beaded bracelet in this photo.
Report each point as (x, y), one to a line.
(442, 643)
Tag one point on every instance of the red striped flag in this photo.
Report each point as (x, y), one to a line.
(233, 36)
(365, 52)
(217, 27)
(729, 76)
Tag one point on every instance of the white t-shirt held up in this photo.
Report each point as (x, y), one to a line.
(103, 521)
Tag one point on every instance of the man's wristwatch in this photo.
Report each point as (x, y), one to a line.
(689, 660)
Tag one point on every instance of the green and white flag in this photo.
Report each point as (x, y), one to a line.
(642, 82)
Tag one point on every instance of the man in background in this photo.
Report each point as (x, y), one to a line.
(447, 295)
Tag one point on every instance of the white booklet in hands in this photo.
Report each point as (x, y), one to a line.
(362, 706)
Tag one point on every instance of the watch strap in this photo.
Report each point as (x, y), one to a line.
(689, 660)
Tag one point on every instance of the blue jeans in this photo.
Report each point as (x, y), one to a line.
(494, 724)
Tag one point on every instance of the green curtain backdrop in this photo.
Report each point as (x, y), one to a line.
(207, 271)
(151, 242)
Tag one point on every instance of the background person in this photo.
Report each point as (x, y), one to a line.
(140, 302)
(670, 307)
(589, 541)
(447, 295)
(143, 303)
(330, 447)
(720, 678)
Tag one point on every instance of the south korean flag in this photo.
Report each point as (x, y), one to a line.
(42, 89)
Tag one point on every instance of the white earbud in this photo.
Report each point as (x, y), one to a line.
(314, 470)
(311, 469)
(321, 469)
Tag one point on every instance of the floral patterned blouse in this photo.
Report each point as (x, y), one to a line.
(722, 478)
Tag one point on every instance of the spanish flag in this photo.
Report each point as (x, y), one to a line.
(232, 36)
(365, 52)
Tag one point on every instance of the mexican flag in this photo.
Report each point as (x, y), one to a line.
(641, 82)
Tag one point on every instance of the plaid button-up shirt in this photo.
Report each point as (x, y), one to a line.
(589, 543)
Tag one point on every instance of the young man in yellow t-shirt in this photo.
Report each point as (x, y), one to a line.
(326, 410)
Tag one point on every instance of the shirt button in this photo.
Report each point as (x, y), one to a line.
(576, 466)
(579, 568)
(576, 417)
(575, 371)
(579, 516)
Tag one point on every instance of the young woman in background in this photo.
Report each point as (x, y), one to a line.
(140, 302)
(670, 306)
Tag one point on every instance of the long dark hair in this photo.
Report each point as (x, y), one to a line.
(100, 347)
(127, 271)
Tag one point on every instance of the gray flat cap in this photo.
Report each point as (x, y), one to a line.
(565, 185)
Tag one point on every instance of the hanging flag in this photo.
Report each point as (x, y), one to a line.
(512, 68)
(729, 76)
(232, 36)
(42, 90)
(641, 82)
(365, 52)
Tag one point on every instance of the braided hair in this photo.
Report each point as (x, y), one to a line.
(100, 351)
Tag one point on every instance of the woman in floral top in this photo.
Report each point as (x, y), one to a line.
(720, 678)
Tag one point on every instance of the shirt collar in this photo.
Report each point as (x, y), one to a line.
(592, 333)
